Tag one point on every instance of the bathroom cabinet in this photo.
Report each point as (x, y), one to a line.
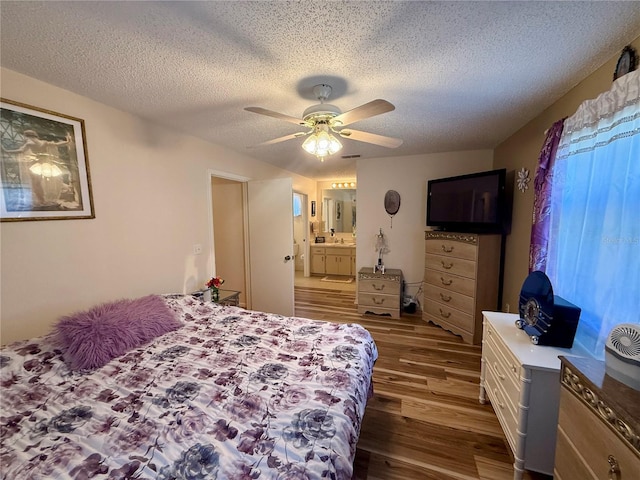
(317, 260)
(333, 260)
(338, 260)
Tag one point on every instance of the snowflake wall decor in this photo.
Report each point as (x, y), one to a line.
(523, 180)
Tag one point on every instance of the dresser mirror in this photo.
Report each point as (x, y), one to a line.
(339, 210)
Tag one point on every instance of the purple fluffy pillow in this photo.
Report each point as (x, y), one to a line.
(90, 339)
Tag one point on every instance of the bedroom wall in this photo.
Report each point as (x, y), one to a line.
(521, 150)
(150, 192)
(408, 176)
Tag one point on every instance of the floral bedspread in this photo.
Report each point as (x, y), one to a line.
(233, 394)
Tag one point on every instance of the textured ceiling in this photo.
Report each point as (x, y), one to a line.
(462, 75)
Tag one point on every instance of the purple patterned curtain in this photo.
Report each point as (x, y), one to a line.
(542, 197)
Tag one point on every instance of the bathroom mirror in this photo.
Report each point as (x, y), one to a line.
(339, 209)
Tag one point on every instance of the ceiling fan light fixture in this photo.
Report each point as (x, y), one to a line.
(323, 119)
(321, 143)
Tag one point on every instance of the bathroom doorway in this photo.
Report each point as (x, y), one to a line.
(300, 234)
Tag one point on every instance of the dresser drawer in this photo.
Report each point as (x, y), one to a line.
(569, 463)
(507, 402)
(453, 283)
(338, 250)
(379, 286)
(451, 248)
(504, 376)
(379, 304)
(500, 407)
(456, 266)
(378, 300)
(317, 250)
(438, 311)
(456, 300)
(510, 363)
(594, 440)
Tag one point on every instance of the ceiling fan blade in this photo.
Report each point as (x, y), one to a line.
(366, 137)
(371, 109)
(280, 116)
(281, 139)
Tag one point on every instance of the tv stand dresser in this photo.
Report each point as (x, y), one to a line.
(461, 279)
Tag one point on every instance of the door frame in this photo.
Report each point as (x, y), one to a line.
(245, 219)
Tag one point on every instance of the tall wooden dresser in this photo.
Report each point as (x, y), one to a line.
(599, 425)
(461, 279)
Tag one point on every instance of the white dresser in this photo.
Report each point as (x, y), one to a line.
(461, 279)
(522, 381)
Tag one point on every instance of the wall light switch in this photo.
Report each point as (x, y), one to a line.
(197, 249)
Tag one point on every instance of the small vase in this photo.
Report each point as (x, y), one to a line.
(215, 295)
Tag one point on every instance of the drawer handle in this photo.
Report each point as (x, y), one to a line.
(445, 298)
(447, 250)
(378, 301)
(446, 266)
(500, 404)
(379, 288)
(444, 314)
(445, 282)
(514, 369)
(500, 376)
(614, 468)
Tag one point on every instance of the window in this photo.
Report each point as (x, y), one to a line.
(297, 205)
(594, 239)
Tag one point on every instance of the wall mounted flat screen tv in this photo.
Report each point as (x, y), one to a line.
(477, 202)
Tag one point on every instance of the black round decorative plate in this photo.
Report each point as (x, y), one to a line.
(392, 202)
(626, 63)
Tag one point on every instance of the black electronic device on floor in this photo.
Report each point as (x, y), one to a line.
(547, 318)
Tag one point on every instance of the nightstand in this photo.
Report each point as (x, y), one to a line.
(228, 297)
(380, 293)
(225, 297)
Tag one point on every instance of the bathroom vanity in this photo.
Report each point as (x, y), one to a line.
(333, 259)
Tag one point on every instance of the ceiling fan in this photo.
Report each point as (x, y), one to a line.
(324, 119)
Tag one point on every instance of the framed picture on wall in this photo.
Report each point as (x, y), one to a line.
(44, 166)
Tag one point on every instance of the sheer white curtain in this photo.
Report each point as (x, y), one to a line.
(594, 250)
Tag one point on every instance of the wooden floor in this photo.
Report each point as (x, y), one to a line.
(424, 421)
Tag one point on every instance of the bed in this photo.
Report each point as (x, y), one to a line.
(227, 393)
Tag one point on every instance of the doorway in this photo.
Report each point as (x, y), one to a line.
(229, 250)
(300, 234)
(251, 239)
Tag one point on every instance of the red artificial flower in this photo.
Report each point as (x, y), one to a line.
(215, 282)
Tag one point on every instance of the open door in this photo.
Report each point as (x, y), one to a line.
(270, 212)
